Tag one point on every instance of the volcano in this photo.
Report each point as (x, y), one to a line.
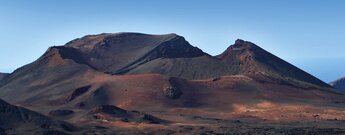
(118, 82)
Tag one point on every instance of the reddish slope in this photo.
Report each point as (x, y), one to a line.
(155, 92)
(173, 96)
(250, 58)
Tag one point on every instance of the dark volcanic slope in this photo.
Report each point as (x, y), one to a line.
(121, 52)
(18, 120)
(2, 75)
(250, 58)
(241, 58)
(339, 84)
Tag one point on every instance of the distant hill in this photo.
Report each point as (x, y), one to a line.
(339, 84)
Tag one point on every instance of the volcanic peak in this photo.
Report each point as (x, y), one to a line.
(239, 47)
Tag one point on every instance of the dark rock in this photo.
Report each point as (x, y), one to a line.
(316, 116)
(216, 79)
(79, 92)
(172, 92)
(125, 120)
(111, 110)
(239, 42)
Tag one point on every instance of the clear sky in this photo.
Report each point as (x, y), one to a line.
(307, 33)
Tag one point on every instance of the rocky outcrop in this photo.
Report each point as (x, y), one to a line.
(79, 91)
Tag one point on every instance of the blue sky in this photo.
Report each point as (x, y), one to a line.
(307, 33)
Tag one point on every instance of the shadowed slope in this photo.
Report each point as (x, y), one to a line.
(18, 120)
(3, 75)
